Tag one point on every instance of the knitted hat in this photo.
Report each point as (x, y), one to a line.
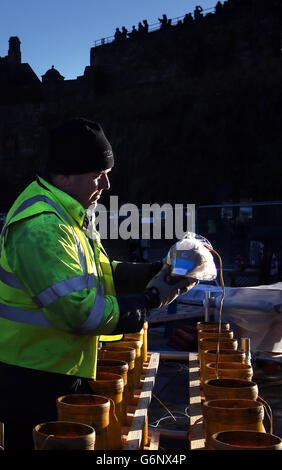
(79, 146)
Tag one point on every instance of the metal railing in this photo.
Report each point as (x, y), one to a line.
(151, 28)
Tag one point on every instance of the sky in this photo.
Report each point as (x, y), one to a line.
(60, 33)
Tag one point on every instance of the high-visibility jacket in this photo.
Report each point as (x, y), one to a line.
(57, 291)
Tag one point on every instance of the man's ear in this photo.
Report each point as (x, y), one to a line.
(63, 182)
(66, 180)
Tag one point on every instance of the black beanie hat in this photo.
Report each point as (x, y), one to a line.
(79, 146)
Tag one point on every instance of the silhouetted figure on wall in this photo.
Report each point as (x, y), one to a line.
(188, 19)
(133, 33)
(141, 28)
(163, 21)
(218, 8)
(146, 26)
(198, 13)
(124, 32)
(118, 34)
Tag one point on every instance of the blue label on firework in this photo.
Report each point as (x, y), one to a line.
(182, 266)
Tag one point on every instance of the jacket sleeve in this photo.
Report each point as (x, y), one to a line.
(43, 254)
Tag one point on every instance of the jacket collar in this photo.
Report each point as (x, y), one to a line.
(71, 205)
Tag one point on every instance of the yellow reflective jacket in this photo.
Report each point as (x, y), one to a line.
(57, 292)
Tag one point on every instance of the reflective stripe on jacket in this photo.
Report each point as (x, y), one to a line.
(56, 289)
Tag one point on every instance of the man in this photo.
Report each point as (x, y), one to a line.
(59, 291)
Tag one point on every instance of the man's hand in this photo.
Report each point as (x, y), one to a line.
(163, 289)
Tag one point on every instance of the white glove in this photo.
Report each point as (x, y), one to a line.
(168, 288)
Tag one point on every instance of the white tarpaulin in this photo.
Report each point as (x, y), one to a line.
(253, 312)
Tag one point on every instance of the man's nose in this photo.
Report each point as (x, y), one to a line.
(104, 182)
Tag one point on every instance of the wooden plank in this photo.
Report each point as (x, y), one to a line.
(134, 436)
(153, 441)
(197, 434)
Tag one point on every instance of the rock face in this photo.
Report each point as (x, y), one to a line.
(193, 111)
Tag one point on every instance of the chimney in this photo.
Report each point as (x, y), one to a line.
(14, 53)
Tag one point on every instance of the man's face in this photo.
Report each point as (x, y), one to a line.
(88, 187)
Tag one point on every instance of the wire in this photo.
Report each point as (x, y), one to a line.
(184, 415)
(269, 413)
(220, 307)
(161, 403)
(157, 423)
(181, 415)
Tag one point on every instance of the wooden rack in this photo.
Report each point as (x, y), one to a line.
(135, 434)
(197, 435)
